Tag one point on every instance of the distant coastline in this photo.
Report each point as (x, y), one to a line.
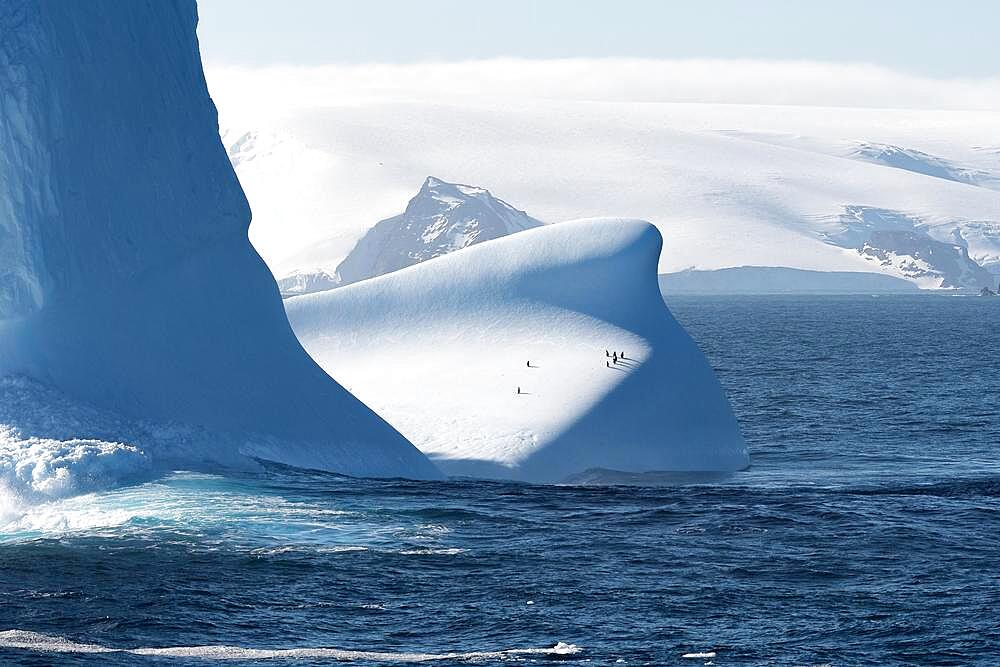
(782, 280)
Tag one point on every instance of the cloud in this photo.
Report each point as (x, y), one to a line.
(804, 83)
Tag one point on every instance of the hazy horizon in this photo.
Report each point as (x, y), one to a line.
(899, 35)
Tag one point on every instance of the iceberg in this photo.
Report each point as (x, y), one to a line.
(127, 280)
(536, 356)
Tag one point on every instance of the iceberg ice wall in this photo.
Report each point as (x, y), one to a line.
(126, 276)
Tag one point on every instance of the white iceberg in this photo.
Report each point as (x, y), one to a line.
(441, 350)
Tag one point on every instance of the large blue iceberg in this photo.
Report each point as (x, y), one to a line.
(126, 277)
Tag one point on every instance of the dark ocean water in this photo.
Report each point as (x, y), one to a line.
(866, 532)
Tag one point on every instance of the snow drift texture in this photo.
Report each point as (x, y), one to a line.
(440, 349)
(126, 277)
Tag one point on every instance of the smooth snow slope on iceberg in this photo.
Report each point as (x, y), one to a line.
(128, 280)
(441, 348)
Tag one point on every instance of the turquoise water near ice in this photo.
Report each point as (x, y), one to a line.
(867, 530)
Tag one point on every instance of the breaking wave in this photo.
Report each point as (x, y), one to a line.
(37, 642)
(34, 470)
(53, 448)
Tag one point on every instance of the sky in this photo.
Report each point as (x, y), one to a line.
(955, 39)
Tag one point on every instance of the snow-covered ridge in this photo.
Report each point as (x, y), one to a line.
(442, 348)
(923, 163)
(895, 244)
(972, 166)
(128, 282)
(929, 256)
(248, 146)
(307, 281)
(443, 217)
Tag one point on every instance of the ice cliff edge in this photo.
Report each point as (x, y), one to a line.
(126, 276)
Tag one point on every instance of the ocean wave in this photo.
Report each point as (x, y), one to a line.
(312, 550)
(986, 486)
(444, 551)
(41, 643)
(52, 448)
(38, 469)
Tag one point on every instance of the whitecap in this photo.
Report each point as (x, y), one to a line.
(42, 643)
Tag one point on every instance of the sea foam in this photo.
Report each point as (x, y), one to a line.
(53, 448)
(37, 642)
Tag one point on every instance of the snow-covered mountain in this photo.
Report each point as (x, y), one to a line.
(128, 282)
(441, 218)
(494, 360)
(727, 185)
(899, 244)
(923, 163)
(307, 281)
(445, 217)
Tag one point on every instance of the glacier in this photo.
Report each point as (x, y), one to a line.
(729, 185)
(495, 360)
(128, 284)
